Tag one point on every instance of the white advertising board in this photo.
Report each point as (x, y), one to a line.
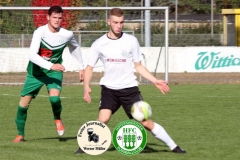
(180, 59)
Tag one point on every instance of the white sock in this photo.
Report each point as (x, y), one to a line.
(160, 133)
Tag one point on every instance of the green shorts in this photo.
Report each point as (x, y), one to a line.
(33, 84)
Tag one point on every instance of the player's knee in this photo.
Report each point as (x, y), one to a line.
(103, 119)
(148, 124)
(25, 101)
(104, 115)
(54, 99)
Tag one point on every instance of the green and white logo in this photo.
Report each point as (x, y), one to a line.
(129, 137)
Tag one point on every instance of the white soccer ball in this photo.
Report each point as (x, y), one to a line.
(141, 111)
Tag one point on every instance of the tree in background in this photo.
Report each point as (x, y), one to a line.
(15, 22)
(22, 22)
(25, 21)
(69, 17)
(202, 6)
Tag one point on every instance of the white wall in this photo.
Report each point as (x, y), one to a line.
(181, 59)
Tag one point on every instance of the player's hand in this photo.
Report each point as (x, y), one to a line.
(162, 86)
(81, 76)
(58, 67)
(87, 96)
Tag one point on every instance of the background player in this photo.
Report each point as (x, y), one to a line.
(45, 68)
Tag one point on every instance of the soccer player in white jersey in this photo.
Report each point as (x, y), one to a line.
(120, 53)
(45, 68)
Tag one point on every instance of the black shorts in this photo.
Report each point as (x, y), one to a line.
(114, 99)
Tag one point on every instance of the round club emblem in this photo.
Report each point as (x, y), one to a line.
(129, 137)
(94, 137)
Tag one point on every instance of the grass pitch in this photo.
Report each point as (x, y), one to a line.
(202, 119)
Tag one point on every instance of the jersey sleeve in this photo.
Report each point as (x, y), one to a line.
(93, 55)
(136, 51)
(74, 49)
(34, 49)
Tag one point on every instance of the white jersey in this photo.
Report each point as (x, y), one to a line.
(117, 56)
(47, 47)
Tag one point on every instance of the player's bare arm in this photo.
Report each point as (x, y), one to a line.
(87, 79)
(58, 67)
(160, 84)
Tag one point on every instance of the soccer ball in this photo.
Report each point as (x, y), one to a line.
(141, 111)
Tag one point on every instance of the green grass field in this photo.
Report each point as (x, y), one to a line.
(202, 119)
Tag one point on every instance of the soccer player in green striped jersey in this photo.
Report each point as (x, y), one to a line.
(45, 68)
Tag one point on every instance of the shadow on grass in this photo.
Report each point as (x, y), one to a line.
(147, 149)
(61, 139)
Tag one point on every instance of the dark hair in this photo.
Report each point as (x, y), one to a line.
(116, 12)
(55, 9)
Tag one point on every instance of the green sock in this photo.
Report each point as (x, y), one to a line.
(21, 119)
(56, 106)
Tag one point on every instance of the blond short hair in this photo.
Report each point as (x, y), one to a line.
(116, 12)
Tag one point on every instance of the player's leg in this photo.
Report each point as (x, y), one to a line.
(30, 90)
(54, 87)
(21, 117)
(109, 104)
(160, 133)
(133, 95)
(104, 115)
(54, 98)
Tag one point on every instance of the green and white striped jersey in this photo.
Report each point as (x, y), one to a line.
(47, 48)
